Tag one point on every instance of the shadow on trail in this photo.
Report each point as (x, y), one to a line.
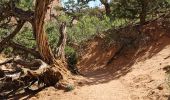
(22, 95)
(96, 69)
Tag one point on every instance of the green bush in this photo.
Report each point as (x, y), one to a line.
(72, 59)
(86, 27)
(25, 37)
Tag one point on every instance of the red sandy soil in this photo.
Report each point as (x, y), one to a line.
(137, 74)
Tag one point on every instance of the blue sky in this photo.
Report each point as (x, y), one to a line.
(91, 3)
(94, 3)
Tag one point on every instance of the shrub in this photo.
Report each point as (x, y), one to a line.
(72, 58)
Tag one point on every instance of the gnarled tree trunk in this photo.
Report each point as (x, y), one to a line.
(50, 70)
(143, 13)
(41, 36)
(107, 7)
(57, 71)
(62, 42)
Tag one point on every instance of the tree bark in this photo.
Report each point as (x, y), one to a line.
(143, 13)
(107, 7)
(41, 37)
(50, 72)
(58, 70)
(62, 42)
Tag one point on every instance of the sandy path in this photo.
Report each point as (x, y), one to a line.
(111, 91)
(146, 81)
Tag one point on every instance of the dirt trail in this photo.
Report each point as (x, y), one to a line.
(137, 74)
(146, 80)
(138, 78)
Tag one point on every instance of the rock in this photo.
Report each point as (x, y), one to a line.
(160, 88)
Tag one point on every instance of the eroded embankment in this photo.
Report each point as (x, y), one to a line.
(125, 64)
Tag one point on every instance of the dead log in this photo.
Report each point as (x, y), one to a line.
(44, 74)
(7, 61)
(33, 65)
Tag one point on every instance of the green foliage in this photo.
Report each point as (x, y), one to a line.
(26, 4)
(3, 32)
(120, 22)
(3, 1)
(86, 27)
(69, 88)
(74, 6)
(94, 12)
(132, 8)
(8, 51)
(69, 51)
(25, 37)
(52, 29)
(72, 59)
(90, 21)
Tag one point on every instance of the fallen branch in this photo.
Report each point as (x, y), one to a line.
(6, 62)
(167, 57)
(33, 65)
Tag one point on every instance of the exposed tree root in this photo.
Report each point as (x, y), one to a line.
(47, 72)
(43, 74)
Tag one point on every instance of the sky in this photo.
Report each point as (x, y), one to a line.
(94, 3)
(91, 3)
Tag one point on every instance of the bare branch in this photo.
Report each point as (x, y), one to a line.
(23, 48)
(6, 62)
(10, 36)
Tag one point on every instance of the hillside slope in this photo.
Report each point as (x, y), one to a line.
(134, 73)
(145, 81)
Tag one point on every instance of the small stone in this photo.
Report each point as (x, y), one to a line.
(75, 93)
(160, 88)
(80, 83)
